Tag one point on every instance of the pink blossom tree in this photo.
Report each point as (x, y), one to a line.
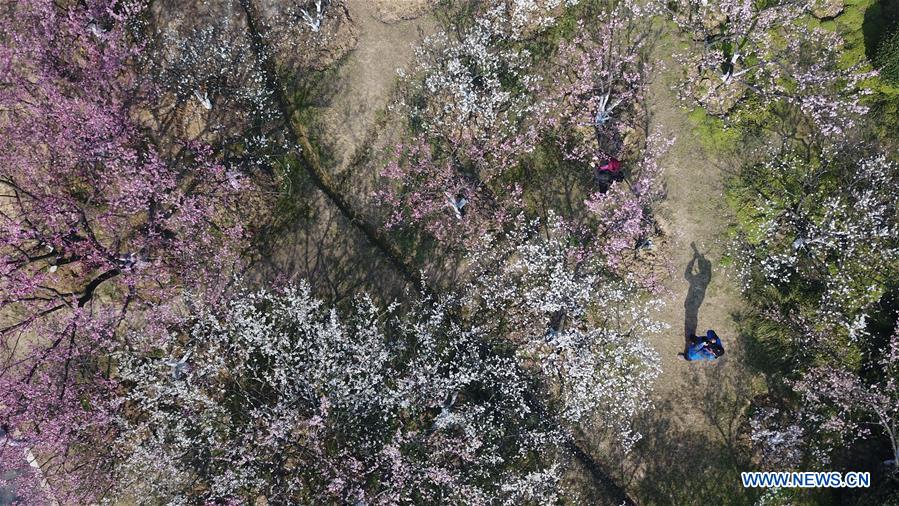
(452, 204)
(845, 407)
(594, 91)
(595, 114)
(97, 227)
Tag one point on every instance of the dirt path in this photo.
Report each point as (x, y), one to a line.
(694, 213)
(688, 454)
(368, 77)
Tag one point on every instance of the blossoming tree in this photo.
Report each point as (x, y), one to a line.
(497, 123)
(828, 230)
(281, 397)
(97, 226)
(819, 263)
(581, 327)
(771, 52)
(468, 397)
(844, 406)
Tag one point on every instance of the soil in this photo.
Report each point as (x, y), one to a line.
(694, 213)
(368, 77)
(392, 11)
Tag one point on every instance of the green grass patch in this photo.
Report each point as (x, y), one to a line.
(714, 134)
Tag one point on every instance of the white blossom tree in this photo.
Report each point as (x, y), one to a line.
(462, 399)
(583, 328)
(844, 406)
(820, 257)
(829, 227)
(768, 51)
(778, 441)
(283, 398)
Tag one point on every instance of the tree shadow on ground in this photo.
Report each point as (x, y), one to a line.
(880, 19)
(696, 458)
(327, 252)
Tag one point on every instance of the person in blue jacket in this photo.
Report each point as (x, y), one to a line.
(708, 347)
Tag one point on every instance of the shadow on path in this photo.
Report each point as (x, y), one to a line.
(695, 460)
(699, 281)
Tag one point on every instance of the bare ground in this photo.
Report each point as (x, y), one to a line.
(689, 454)
(368, 77)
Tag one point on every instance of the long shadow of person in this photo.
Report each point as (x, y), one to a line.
(699, 281)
